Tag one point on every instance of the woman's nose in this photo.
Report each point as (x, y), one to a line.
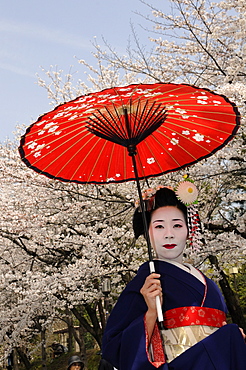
(168, 234)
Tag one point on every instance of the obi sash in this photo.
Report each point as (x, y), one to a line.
(186, 326)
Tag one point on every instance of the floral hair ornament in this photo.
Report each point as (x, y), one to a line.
(148, 196)
(187, 193)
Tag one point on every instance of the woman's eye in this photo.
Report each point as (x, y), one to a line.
(178, 225)
(159, 227)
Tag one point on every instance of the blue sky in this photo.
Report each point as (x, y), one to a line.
(43, 33)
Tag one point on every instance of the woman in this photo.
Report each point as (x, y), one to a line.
(196, 336)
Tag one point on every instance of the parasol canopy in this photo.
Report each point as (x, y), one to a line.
(89, 139)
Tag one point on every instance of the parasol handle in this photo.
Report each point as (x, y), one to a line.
(132, 151)
(158, 301)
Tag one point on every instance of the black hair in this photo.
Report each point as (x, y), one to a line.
(163, 197)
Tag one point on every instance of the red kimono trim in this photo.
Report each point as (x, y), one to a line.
(157, 351)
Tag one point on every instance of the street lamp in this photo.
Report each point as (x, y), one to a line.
(106, 289)
(234, 272)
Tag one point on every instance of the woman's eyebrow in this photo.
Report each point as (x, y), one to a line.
(174, 219)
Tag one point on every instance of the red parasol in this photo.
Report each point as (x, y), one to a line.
(172, 125)
(129, 133)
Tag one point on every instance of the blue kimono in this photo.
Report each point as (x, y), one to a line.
(124, 341)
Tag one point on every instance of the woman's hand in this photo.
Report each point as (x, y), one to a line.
(150, 290)
(242, 332)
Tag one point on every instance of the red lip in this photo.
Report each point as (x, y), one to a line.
(169, 246)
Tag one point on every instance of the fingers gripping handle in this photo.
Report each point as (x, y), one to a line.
(158, 301)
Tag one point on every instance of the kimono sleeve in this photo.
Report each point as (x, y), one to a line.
(124, 337)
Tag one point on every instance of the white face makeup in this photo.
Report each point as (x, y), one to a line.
(168, 233)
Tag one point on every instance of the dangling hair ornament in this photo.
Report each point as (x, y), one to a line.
(187, 193)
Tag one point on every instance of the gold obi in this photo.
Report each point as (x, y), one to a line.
(178, 340)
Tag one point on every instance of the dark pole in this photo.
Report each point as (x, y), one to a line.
(132, 151)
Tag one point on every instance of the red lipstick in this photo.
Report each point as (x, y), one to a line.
(169, 246)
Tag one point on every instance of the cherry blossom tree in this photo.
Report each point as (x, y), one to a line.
(58, 241)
